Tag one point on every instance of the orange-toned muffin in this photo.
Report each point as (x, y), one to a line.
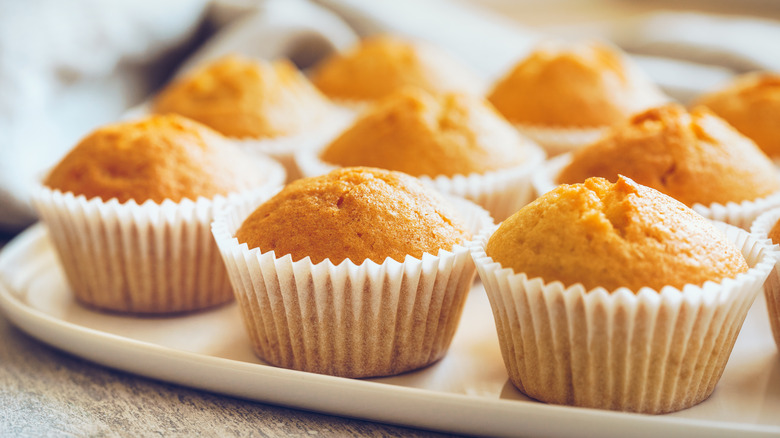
(129, 210)
(246, 98)
(454, 141)
(356, 214)
(418, 133)
(156, 158)
(751, 103)
(586, 84)
(598, 289)
(694, 157)
(361, 272)
(381, 65)
(653, 239)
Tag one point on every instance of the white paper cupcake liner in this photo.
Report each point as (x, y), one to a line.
(283, 149)
(649, 351)
(760, 230)
(740, 214)
(501, 192)
(560, 140)
(348, 320)
(145, 259)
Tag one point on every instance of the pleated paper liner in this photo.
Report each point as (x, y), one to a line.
(501, 192)
(740, 214)
(760, 229)
(560, 140)
(348, 320)
(142, 259)
(651, 351)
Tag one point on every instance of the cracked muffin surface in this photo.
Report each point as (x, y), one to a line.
(614, 235)
(693, 157)
(355, 213)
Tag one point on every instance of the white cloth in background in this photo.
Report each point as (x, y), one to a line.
(64, 65)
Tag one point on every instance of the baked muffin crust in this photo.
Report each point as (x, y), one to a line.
(246, 98)
(155, 158)
(694, 157)
(751, 104)
(381, 65)
(418, 133)
(583, 85)
(614, 235)
(353, 213)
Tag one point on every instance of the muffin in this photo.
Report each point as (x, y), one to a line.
(767, 228)
(751, 104)
(599, 290)
(270, 106)
(455, 142)
(695, 157)
(129, 208)
(381, 65)
(562, 95)
(369, 279)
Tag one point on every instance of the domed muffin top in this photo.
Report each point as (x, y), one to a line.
(381, 65)
(354, 213)
(156, 158)
(614, 235)
(580, 85)
(246, 98)
(419, 133)
(694, 157)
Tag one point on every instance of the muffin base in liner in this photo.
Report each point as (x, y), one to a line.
(650, 351)
(740, 214)
(501, 192)
(760, 230)
(142, 259)
(348, 320)
(560, 140)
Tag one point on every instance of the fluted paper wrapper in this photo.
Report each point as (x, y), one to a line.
(651, 351)
(500, 192)
(283, 149)
(130, 258)
(560, 140)
(348, 320)
(740, 214)
(760, 230)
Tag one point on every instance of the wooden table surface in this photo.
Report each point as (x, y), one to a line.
(47, 393)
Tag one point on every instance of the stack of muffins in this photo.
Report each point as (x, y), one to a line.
(611, 290)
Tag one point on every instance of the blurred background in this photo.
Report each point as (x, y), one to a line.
(69, 66)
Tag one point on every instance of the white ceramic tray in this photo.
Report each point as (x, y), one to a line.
(466, 392)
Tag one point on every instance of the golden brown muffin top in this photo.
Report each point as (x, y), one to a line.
(423, 134)
(614, 235)
(380, 65)
(354, 213)
(751, 103)
(774, 233)
(694, 157)
(246, 98)
(157, 158)
(583, 85)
